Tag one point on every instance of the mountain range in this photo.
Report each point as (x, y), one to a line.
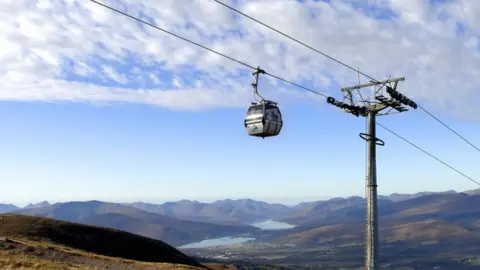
(223, 211)
(440, 218)
(185, 221)
(172, 230)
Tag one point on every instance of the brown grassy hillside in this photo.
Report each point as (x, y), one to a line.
(28, 254)
(431, 231)
(29, 242)
(336, 208)
(434, 205)
(456, 208)
(97, 240)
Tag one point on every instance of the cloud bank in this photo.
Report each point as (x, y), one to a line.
(78, 51)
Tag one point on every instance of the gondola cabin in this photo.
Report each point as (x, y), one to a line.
(263, 119)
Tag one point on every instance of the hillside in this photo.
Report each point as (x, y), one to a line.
(473, 192)
(454, 207)
(418, 219)
(418, 232)
(434, 205)
(309, 214)
(169, 229)
(96, 240)
(397, 197)
(28, 242)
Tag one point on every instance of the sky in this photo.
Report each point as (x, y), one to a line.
(94, 105)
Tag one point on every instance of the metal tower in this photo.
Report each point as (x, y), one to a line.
(371, 108)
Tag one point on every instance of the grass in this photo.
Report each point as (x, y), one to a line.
(90, 239)
(13, 260)
(41, 243)
(28, 242)
(28, 254)
(23, 261)
(425, 232)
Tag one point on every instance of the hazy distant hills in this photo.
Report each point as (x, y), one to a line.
(352, 208)
(248, 211)
(5, 208)
(472, 192)
(187, 221)
(425, 232)
(396, 197)
(38, 205)
(222, 211)
(438, 218)
(324, 210)
(445, 206)
(169, 229)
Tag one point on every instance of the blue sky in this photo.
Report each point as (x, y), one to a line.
(146, 117)
(135, 152)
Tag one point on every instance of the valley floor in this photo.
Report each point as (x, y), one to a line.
(397, 256)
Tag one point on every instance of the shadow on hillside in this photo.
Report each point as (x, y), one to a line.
(102, 241)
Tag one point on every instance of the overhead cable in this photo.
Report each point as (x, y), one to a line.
(292, 38)
(427, 153)
(341, 63)
(445, 125)
(276, 77)
(208, 49)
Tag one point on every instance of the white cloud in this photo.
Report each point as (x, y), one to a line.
(39, 39)
(114, 75)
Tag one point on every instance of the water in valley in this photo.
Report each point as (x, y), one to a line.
(225, 241)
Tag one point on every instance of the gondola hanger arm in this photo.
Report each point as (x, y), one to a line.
(256, 73)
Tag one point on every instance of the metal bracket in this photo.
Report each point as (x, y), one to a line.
(367, 137)
(373, 84)
(256, 73)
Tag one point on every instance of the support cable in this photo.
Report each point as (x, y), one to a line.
(279, 78)
(341, 63)
(427, 153)
(208, 49)
(445, 125)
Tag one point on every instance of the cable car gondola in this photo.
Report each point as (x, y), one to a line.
(264, 118)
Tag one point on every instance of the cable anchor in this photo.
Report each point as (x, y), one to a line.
(368, 137)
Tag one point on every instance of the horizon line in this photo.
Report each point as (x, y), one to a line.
(294, 200)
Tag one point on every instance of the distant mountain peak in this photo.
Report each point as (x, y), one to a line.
(37, 205)
(188, 201)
